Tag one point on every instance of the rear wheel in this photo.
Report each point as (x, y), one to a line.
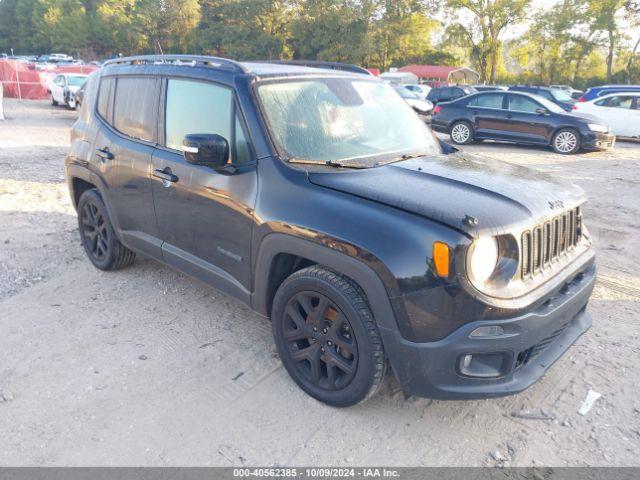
(98, 236)
(461, 133)
(327, 338)
(566, 141)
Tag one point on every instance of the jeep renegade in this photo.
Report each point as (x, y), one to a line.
(321, 200)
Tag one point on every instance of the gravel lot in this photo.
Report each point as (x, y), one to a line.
(148, 367)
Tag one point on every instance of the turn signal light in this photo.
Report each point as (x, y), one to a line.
(441, 258)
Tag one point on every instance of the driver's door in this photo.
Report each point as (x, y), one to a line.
(205, 217)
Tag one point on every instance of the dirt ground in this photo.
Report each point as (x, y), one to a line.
(148, 367)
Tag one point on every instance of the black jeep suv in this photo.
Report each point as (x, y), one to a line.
(320, 199)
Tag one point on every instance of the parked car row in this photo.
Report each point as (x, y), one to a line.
(538, 115)
(517, 116)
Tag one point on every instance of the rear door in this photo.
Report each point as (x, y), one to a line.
(489, 115)
(123, 149)
(524, 123)
(205, 217)
(619, 113)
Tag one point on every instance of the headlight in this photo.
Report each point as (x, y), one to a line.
(482, 259)
(596, 127)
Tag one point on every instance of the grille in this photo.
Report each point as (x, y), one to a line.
(546, 242)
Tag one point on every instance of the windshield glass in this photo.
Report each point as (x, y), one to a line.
(405, 92)
(561, 95)
(549, 105)
(346, 121)
(76, 81)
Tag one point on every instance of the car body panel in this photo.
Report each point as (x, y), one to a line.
(623, 121)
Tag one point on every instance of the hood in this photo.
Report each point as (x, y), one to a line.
(452, 188)
(419, 104)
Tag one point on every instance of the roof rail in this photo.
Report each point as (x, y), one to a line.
(346, 67)
(199, 60)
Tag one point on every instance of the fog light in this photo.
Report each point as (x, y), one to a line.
(484, 365)
(488, 331)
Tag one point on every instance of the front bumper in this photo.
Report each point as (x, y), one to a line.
(530, 344)
(597, 141)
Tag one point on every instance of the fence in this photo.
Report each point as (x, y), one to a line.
(23, 81)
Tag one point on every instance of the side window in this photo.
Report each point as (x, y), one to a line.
(519, 103)
(490, 100)
(603, 103)
(196, 107)
(135, 108)
(243, 149)
(620, 102)
(104, 97)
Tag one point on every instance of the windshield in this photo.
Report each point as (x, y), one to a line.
(549, 105)
(405, 92)
(561, 95)
(350, 122)
(76, 81)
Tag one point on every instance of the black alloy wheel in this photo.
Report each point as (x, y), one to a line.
(94, 231)
(320, 340)
(327, 338)
(98, 236)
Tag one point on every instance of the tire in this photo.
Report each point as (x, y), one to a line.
(461, 133)
(336, 356)
(566, 141)
(53, 102)
(72, 104)
(98, 236)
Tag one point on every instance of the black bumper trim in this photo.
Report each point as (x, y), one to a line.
(430, 369)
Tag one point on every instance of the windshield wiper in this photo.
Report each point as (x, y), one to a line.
(405, 156)
(325, 163)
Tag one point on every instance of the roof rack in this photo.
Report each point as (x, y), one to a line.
(199, 60)
(346, 67)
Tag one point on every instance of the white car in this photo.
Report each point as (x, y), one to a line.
(621, 111)
(420, 90)
(63, 88)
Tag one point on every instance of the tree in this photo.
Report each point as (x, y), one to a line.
(246, 29)
(479, 24)
(165, 24)
(605, 20)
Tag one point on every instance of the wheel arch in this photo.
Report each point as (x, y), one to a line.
(563, 127)
(280, 255)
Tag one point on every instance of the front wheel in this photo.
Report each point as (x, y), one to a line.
(72, 104)
(566, 141)
(461, 133)
(53, 101)
(327, 338)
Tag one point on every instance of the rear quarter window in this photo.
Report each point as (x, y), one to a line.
(135, 108)
(104, 97)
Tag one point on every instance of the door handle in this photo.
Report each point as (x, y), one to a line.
(509, 116)
(105, 153)
(165, 176)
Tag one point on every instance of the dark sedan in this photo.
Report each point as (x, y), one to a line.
(521, 118)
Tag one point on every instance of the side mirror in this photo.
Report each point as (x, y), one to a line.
(542, 111)
(206, 149)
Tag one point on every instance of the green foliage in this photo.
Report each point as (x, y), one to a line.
(572, 41)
